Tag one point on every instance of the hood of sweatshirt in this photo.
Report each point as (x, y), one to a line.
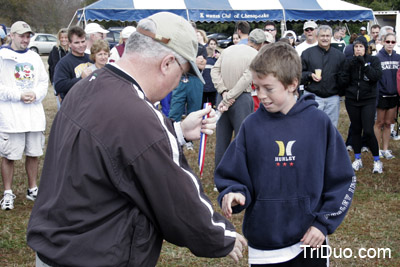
(304, 102)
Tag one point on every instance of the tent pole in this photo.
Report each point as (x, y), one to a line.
(76, 12)
(283, 24)
(283, 27)
(84, 19)
(187, 14)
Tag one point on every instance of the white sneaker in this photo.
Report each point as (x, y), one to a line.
(364, 149)
(357, 164)
(189, 146)
(387, 154)
(349, 148)
(31, 194)
(7, 203)
(381, 154)
(378, 166)
(396, 137)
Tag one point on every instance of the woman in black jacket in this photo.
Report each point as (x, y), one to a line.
(361, 74)
(58, 51)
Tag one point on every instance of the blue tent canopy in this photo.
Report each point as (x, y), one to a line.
(227, 10)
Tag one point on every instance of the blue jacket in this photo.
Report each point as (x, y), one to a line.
(292, 179)
(387, 85)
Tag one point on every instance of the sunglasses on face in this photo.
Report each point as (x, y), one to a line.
(309, 30)
(390, 42)
(269, 30)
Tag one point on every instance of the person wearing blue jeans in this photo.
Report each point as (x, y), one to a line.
(327, 85)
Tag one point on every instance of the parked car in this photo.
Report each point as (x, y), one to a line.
(113, 37)
(223, 39)
(42, 43)
(224, 43)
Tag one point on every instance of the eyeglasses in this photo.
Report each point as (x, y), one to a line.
(269, 30)
(309, 30)
(390, 42)
(184, 78)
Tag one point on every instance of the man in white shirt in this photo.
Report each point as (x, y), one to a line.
(94, 32)
(311, 38)
(23, 86)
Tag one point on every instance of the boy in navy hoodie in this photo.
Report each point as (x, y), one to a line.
(288, 167)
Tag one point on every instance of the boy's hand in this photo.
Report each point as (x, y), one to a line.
(313, 237)
(236, 252)
(230, 200)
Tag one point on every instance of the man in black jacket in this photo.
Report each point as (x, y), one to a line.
(325, 85)
(115, 182)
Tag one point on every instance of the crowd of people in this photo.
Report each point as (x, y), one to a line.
(115, 176)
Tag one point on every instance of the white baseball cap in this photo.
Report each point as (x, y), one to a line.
(310, 24)
(127, 31)
(269, 37)
(2, 34)
(93, 28)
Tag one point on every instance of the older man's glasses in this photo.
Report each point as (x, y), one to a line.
(309, 30)
(184, 78)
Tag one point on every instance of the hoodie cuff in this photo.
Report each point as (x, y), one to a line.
(320, 227)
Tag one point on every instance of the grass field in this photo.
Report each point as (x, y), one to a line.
(372, 222)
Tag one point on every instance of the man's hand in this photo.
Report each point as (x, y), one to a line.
(193, 124)
(222, 107)
(28, 97)
(86, 72)
(313, 237)
(230, 200)
(315, 78)
(240, 243)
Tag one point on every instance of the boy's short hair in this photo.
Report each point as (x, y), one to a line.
(279, 59)
(99, 45)
(76, 30)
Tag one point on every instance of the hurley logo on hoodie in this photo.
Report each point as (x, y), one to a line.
(285, 156)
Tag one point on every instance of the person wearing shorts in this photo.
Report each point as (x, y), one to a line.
(23, 86)
(388, 95)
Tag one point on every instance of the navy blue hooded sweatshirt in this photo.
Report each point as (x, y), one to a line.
(294, 171)
(387, 85)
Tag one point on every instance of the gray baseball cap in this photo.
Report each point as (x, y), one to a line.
(178, 34)
(257, 36)
(21, 27)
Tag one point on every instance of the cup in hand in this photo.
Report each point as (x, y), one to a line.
(318, 73)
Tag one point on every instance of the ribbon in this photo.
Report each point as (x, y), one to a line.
(203, 142)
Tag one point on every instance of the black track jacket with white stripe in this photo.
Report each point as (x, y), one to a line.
(115, 183)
